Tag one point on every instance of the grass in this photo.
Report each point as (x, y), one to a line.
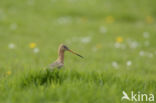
(89, 27)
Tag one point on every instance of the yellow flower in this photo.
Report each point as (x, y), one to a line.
(119, 39)
(84, 19)
(9, 73)
(32, 45)
(149, 19)
(99, 46)
(109, 19)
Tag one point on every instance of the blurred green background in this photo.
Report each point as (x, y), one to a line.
(116, 37)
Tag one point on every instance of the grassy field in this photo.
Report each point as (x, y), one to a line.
(116, 37)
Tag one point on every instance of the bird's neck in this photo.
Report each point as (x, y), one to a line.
(60, 56)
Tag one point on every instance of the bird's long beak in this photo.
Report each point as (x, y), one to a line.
(75, 53)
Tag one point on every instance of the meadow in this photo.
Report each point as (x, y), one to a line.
(116, 38)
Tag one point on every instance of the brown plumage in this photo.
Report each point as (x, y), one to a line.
(60, 60)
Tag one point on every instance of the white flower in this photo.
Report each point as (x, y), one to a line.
(141, 53)
(2, 15)
(146, 43)
(134, 44)
(94, 49)
(64, 20)
(13, 26)
(11, 46)
(150, 55)
(146, 34)
(30, 2)
(103, 29)
(115, 64)
(86, 39)
(117, 45)
(73, 39)
(36, 50)
(129, 63)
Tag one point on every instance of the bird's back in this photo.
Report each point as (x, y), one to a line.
(56, 65)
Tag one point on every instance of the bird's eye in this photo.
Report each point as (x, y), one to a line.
(65, 47)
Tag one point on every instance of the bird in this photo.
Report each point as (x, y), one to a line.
(59, 63)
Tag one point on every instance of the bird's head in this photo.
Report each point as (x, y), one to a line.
(63, 47)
